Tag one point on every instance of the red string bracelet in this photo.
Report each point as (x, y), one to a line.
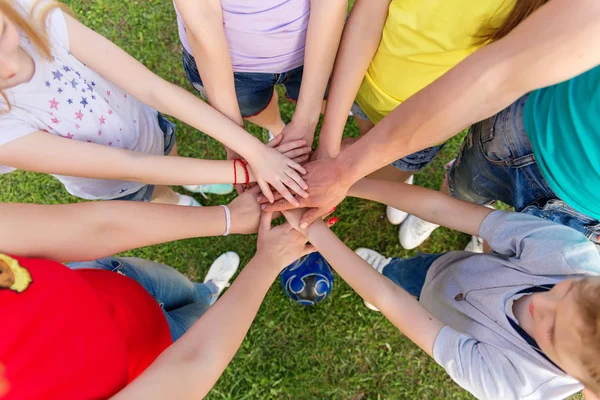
(245, 165)
(235, 171)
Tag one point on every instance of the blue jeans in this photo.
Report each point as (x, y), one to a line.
(254, 90)
(145, 193)
(496, 162)
(183, 302)
(413, 162)
(410, 273)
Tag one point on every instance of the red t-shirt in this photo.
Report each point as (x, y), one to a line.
(73, 334)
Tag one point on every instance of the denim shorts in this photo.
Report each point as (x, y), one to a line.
(413, 162)
(254, 90)
(410, 273)
(496, 162)
(145, 193)
(182, 301)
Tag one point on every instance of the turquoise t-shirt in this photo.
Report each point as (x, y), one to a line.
(563, 124)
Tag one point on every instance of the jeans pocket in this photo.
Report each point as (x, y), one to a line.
(558, 211)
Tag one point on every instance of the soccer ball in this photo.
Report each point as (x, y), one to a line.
(307, 281)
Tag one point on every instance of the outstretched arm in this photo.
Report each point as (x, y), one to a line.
(270, 166)
(192, 365)
(43, 152)
(361, 38)
(402, 309)
(86, 231)
(322, 40)
(557, 42)
(427, 204)
(206, 35)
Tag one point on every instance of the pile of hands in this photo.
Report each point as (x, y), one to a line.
(291, 176)
(308, 186)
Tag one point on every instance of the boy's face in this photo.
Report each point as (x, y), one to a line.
(557, 327)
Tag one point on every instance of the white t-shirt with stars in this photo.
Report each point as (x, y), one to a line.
(67, 99)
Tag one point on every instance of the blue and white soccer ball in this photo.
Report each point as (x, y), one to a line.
(307, 281)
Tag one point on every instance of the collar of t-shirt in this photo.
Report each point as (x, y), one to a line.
(515, 325)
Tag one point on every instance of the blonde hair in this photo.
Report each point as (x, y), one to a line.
(587, 297)
(32, 25)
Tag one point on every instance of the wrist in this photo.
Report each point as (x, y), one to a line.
(345, 170)
(307, 119)
(267, 261)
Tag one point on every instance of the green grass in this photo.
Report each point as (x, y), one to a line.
(337, 350)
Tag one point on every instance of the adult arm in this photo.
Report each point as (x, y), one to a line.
(192, 365)
(206, 35)
(557, 42)
(325, 27)
(361, 38)
(91, 230)
(270, 166)
(427, 204)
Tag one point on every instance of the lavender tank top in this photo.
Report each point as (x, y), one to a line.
(263, 35)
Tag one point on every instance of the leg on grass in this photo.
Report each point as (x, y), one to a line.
(270, 117)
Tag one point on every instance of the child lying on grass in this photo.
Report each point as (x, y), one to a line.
(519, 323)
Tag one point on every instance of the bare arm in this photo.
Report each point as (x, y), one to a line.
(192, 365)
(86, 231)
(322, 40)
(557, 42)
(427, 204)
(204, 24)
(360, 41)
(270, 166)
(399, 307)
(43, 152)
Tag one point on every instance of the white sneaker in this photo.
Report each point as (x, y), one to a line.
(415, 231)
(377, 261)
(222, 270)
(475, 245)
(395, 216)
(187, 201)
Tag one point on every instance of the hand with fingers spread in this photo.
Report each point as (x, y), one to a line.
(327, 189)
(272, 167)
(280, 245)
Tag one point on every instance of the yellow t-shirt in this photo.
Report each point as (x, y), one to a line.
(422, 40)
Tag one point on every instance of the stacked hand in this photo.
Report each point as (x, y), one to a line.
(280, 245)
(326, 189)
(278, 165)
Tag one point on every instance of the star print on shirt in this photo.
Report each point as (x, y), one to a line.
(102, 120)
(66, 69)
(79, 115)
(60, 90)
(55, 120)
(47, 84)
(83, 102)
(68, 135)
(70, 101)
(108, 92)
(74, 83)
(57, 75)
(110, 112)
(99, 132)
(54, 104)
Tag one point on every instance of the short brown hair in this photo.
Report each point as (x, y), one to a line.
(587, 296)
